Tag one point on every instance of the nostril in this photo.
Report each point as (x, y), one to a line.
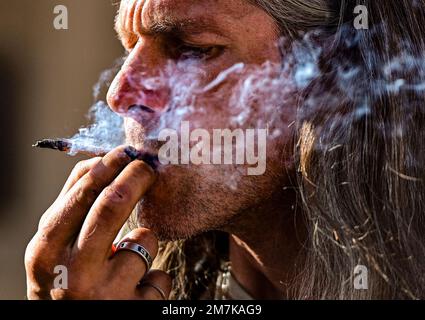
(141, 107)
(144, 115)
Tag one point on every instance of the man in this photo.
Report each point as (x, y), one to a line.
(268, 239)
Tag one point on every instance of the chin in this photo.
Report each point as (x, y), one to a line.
(168, 208)
(184, 202)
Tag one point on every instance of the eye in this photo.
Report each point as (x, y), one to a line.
(185, 51)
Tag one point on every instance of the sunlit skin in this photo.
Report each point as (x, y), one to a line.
(178, 201)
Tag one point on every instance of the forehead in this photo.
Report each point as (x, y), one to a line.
(204, 11)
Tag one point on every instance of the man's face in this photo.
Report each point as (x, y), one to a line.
(175, 49)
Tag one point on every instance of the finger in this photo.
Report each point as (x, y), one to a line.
(112, 209)
(80, 169)
(127, 267)
(68, 214)
(156, 285)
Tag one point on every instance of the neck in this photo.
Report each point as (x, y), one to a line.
(265, 246)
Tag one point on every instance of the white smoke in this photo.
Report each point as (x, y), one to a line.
(270, 86)
(105, 133)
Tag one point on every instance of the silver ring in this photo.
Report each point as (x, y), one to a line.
(140, 250)
(160, 291)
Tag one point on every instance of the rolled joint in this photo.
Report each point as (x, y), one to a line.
(65, 145)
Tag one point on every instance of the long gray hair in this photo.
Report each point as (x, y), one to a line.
(361, 187)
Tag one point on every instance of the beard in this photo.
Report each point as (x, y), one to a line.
(186, 201)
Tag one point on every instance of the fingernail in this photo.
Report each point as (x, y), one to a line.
(132, 153)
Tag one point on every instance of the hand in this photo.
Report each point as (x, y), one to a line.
(78, 230)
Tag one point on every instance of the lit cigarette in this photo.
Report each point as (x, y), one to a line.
(55, 144)
(65, 145)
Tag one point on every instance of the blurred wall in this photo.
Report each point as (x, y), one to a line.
(46, 79)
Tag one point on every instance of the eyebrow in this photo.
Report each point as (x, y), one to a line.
(180, 26)
(171, 26)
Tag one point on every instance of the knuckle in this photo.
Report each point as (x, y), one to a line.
(33, 257)
(117, 194)
(80, 167)
(39, 258)
(46, 235)
(39, 269)
(85, 165)
(86, 191)
(92, 183)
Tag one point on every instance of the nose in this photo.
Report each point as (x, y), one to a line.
(139, 82)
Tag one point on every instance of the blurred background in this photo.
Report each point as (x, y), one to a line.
(46, 80)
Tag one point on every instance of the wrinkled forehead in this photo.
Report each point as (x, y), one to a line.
(172, 12)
